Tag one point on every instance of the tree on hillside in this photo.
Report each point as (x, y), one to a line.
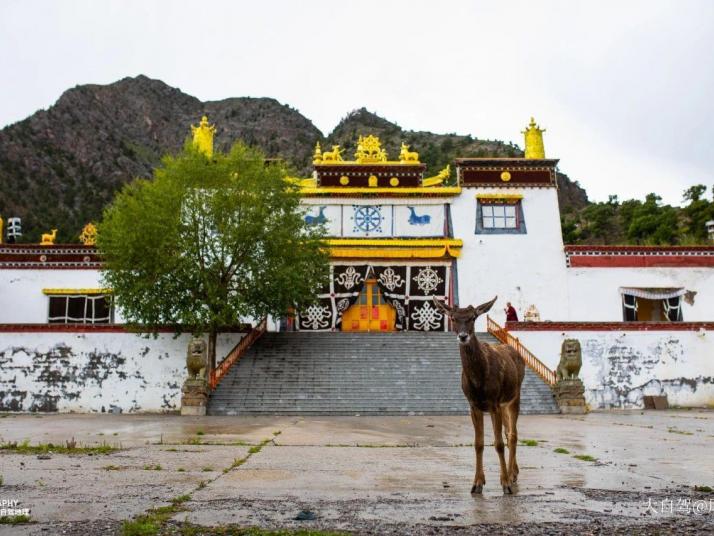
(210, 241)
(652, 223)
(696, 214)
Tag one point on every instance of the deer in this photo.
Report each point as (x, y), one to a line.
(491, 378)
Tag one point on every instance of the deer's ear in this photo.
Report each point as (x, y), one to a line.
(441, 305)
(484, 307)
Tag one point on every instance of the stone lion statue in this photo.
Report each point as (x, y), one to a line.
(571, 360)
(196, 357)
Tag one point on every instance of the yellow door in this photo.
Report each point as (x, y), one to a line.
(370, 312)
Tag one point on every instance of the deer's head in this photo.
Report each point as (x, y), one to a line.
(462, 320)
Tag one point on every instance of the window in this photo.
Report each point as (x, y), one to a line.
(499, 216)
(494, 216)
(80, 309)
(652, 304)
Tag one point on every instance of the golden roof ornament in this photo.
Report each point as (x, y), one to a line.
(88, 236)
(317, 155)
(203, 136)
(534, 140)
(408, 157)
(369, 150)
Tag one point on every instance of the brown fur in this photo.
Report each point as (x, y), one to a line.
(491, 378)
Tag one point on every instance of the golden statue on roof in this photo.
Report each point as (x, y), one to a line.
(408, 157)
(88, 236)
(534, 140)
(369, 150)
(203, 136)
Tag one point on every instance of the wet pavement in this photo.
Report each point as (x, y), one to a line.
(376, 475)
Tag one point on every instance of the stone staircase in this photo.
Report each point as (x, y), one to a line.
(314, 373)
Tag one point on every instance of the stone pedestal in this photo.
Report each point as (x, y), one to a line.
(570, 395)
(194, 397)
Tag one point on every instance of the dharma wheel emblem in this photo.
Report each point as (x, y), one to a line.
(368, 219)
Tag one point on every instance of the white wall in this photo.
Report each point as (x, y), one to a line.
(620, 367)
(524, 269)
(594, 295)
(21, 297)
(85, 372)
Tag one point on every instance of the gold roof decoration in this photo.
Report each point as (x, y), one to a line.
(88, 236)
(408, 157)
(369, 150)
(534, 141)
(203, 136)
(439, 178)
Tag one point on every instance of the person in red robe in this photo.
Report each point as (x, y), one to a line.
(511, 315)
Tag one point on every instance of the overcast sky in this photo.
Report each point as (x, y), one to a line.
(624, 88)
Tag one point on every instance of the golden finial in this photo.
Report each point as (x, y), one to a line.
(369, 150)
(203, 136)
(407, 156)
(534, 140)
(88, 236)
(439, 178)
(317, 155)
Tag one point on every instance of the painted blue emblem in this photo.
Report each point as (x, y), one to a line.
(314, 220)
(367, 219)
(424, 219)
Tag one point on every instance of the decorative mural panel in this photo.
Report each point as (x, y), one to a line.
(361, 220)
(374, 221)
(410, 289)
(330, 215)
(346, 282)
(419, 220)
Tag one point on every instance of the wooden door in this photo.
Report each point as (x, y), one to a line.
(370, 312)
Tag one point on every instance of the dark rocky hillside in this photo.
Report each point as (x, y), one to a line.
(61, 166)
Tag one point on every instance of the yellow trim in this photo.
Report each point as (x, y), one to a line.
(329, 190)
(382, 253)
(499, 196)
(73, 291)
(395, 248)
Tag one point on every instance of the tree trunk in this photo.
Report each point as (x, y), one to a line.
(212, 335)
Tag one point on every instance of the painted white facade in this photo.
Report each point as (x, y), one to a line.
(620, 367)
(525, 268)
(593, 294)
(22, 300)
(94, 372)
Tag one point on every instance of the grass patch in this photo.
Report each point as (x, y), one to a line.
(49, 448)
(585, 457)
(681, 432)
(529, 442)
(561, 450)
(156, 467)
(15, 520)
(171, 450)
(111, 467)
(207, 469)
(181, 470)
(705, 489)
(150, 523)
(200, 432)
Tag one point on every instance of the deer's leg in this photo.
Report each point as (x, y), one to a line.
(496, 420)
(480, 478)
(511, 419)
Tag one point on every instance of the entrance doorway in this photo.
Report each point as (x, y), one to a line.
(370, 312)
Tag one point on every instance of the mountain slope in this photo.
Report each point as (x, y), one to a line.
(61, 166)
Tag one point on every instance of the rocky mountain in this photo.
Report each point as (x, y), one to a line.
(61, 166)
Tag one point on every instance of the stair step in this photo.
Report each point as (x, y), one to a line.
(365, 373)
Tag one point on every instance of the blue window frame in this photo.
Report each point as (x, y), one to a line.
(494, 217)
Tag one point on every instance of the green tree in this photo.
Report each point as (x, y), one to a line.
(210, 241)
(653, 223)
(696, 214)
